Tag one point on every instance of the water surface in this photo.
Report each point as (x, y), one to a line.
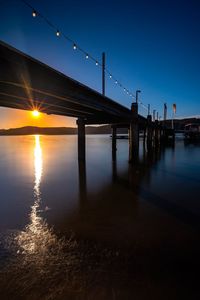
(102, 230)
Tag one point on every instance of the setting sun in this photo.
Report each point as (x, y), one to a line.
(35, 113)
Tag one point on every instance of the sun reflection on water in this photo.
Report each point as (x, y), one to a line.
(44, 265)
(38, 165)
(37, 238)
(41, 260)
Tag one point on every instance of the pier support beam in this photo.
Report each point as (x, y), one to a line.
(144, 134)
(114, 143)
(149, 131)
(81, 139)
(134, 134)
(82, 183)
(156, 133)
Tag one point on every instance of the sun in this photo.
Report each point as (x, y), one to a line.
(35, 113)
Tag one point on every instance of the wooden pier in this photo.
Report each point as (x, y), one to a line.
(26, 83)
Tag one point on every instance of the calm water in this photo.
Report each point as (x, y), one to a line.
(105, 230)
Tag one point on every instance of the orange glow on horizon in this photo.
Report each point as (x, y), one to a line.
(15, 118)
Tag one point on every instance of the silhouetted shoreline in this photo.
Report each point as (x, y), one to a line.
(102, 129)
(28, 130)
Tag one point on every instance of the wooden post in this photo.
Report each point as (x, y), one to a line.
(159, 132)
(114, 143)
(134, 134)
(114, 171)
(82, 182)
(81, 139)
(144, 139)
(144, 133)
(149, 130)
(156, 133)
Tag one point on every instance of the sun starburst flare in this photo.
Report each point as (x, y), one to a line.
(35, 113)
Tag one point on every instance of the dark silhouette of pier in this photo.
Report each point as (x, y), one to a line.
(26, 83)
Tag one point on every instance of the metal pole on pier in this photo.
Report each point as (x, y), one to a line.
(137, 92)
(148, 109)
(154, 115)
(173, 114)
(165, 113)
(103, 73)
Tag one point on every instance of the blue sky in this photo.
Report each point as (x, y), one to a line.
(150, 45)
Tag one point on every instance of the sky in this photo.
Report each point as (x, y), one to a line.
(153, 46)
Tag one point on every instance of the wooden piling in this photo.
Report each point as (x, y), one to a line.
(149, 131)
(156, 133)
(134, 134)
(81, 139)
(82, 182)
(144, 134)
(114, 143)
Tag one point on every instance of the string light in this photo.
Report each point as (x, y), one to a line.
(87, 56)
(34, 14)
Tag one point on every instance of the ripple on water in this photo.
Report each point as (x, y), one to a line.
(56, 266)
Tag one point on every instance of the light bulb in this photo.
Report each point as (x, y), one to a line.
(34, 14)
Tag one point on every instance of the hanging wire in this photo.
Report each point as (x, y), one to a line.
(36, 13)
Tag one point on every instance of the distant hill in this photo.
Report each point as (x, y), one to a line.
(37, 130)
(28, 130)
(104, 129)
(179, 124)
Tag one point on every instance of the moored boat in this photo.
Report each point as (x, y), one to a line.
(192, 131)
